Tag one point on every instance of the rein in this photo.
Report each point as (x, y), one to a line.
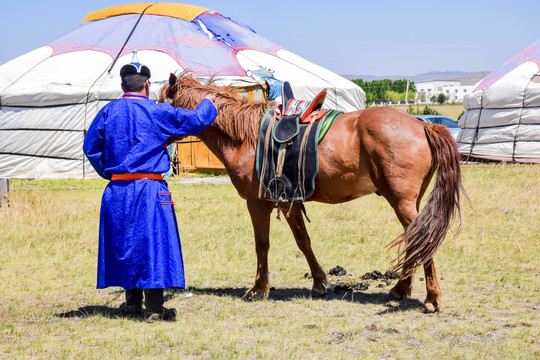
(302, 157)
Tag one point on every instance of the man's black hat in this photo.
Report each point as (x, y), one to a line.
(135, 67)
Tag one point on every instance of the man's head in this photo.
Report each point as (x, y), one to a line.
(135, 77)
(134, 83)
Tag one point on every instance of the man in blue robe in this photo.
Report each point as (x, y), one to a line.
(139, 243)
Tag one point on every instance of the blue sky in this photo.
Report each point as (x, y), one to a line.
(346, 36)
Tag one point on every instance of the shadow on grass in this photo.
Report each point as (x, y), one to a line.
(101, 310)
(359, 297)
(92, 310)
(380, 298)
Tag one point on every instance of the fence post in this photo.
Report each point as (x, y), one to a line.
(4, 193)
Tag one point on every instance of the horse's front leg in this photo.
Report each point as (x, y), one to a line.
(260, 217)
(403, 288)
(296, 222)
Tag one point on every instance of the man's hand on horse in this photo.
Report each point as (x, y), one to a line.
(211, 97)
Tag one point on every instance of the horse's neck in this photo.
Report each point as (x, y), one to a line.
(222, 145)
(214, 139)
(233, 135)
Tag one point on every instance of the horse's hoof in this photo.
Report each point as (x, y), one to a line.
(430, 308)
(319, 288)
(432, 304)
(318, 293)
(254, 294)
(395, 294)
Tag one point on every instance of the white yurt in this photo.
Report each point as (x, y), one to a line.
(502, 118)
(49, 96)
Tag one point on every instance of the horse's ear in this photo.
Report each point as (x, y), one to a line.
(172, 79)
(173, 85)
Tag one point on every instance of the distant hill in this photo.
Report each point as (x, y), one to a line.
(466, 78)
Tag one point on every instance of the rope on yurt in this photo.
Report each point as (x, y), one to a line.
(466, 117)
(128, 37)
(519, 120)
(475, 136)
(101, 75)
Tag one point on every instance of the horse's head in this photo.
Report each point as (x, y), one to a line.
(237, 116)
(170, 93)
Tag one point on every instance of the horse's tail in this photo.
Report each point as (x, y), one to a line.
(426, 232)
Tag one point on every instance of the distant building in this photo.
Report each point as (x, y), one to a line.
(453, 90)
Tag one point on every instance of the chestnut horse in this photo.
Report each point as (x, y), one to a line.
(378, 150)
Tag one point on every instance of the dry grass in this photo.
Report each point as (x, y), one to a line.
(50, 308)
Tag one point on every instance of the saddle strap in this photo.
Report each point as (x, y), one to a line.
(281, 159)
(302, 156)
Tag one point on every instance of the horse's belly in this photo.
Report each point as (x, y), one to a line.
(342, 188)
(342, 175)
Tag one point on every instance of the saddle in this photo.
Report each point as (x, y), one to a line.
(287, 149)
(294, 112)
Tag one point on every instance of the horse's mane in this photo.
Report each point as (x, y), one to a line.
(237, 116)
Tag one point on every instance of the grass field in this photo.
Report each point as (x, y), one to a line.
(50, 309)
(453, 111)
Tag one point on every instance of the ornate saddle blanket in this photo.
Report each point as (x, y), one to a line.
(287, 156)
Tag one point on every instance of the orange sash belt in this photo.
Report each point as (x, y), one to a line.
(136, 176)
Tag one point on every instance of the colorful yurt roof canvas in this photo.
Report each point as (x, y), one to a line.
(206, 45)
(529, 54)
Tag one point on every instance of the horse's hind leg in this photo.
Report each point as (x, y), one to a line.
(404, 287)
(260, 217)
(296, 222)
(434, 294)
(406, 212)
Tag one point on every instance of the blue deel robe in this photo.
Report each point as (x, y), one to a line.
(139, 243)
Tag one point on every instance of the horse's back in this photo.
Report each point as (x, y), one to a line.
(383, 132)
(394, 135)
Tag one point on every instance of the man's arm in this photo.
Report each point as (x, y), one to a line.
(182, 122)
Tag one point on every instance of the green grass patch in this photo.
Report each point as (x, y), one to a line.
(489, 275)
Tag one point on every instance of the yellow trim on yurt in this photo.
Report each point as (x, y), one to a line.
(180, 11)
